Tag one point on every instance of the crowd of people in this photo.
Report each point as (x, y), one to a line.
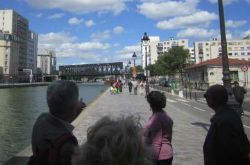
(132, 85)
(124, 141)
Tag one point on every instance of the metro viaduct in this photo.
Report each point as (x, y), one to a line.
(90, 71)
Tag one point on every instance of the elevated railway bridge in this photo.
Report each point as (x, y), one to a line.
(90, 71)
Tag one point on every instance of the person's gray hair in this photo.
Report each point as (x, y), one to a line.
(113, 142)
(62, 96)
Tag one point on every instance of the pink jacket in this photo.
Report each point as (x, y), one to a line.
(158, 134)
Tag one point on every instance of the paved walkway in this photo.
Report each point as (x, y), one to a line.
(187, 138)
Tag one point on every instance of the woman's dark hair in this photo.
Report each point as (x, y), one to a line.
(156, 100)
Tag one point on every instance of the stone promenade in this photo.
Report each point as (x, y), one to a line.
(187, 138)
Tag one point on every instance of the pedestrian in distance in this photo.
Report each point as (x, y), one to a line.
(114, 142)
(158, 129)
(130, 85)
(52, 139)
(226, 142)
(142, 85)
(239, 92)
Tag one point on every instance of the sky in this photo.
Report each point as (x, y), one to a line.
(100, 31)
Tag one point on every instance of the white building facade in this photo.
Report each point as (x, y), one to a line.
(46, 61)
(237, 49)
(156, 48)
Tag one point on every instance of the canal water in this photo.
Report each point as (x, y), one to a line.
(19, 108)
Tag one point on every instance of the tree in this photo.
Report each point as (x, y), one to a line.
(175, 60)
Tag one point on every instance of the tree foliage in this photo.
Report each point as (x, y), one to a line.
(171, 62)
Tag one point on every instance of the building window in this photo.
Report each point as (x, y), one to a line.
(207, 55)
(229, 48)
(248, 48)
(207, 44)
(248, 53)
(243, 53)
(241, 48)
(230, 54)
(164, 43)
(235, 54)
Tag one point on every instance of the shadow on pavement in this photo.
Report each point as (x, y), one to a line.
(203, 125)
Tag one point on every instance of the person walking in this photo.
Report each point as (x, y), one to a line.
(52, 139)
(226, 142)
(158, 129)
(130, 85)
(142, 85)
(239, 92)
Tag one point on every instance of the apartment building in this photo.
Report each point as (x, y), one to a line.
(164, 46)
(191, 54)
(16, 27)
(157, 48)
(46, 61)
(32, 51)
(9, 48)
(237, 49)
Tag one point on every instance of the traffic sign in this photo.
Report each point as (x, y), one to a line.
(244, 68)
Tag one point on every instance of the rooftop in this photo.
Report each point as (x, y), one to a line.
(218, 62)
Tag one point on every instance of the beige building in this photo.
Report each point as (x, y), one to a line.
(237, 49)
(209, 72)
(46, 61)
(8, 55)
(25, 50)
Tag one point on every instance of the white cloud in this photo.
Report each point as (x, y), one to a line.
(235, 24)
(165, 9)
(226, 2)
(118, 30)
(199, 18)
(89, 23)
(67, 46)
(75, 21)
(39, 15)
(246, 33)
(56, 16)
(81, 6)
(126, 52)
(197, 33)
(101, 36)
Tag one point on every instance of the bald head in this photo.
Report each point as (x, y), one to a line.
(216, 95)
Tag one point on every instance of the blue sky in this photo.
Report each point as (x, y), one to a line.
(94, 31)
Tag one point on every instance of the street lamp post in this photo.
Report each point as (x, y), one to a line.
(134, 57)
(226, 73)
(145, 42)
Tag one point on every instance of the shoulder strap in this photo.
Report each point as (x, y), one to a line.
(55, 149)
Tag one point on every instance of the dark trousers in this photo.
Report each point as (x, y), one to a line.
(164, 162)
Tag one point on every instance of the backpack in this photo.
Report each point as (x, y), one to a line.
(239, 93)
(50, 156)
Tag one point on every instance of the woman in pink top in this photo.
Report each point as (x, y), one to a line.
(158, 129)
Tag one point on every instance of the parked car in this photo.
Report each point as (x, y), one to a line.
(164, 83)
